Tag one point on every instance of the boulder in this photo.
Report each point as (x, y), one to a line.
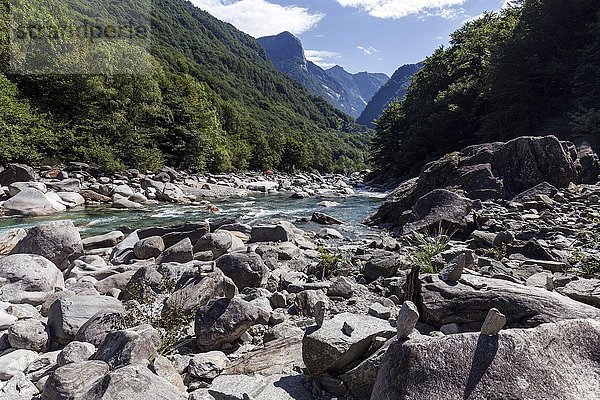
(272, 233)
(307, 300)
(125, 204)
(83, 380)
(584, 290)
(224, 321)
(197, 291)
(9, 239)
(242, 387)
(208, 365)
(75, 352)
(110, 239)
(58, 241)
(15, 361)
(19, 387)
(516, 364)
(150, 247)
(244, 269)
(164, 368)
(30, 278)
(16, 173)
(96, 328)
(66, 185)
(483, 171)
(440, 208)
(28, 334)
(333, 346)
(325, 219)
(468, 302)
(15, 188)
(129, 346)
(67, 315)
(180, 252)
(32, 203)
(219, 243)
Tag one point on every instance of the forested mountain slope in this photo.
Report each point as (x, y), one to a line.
(208, 98)
(531, 69)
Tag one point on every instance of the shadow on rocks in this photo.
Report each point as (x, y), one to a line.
(487, 347)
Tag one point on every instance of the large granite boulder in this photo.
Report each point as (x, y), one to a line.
(342, 340)
(29, 279)
(32, 203)
(69, 314)
(468, 301)
(553, 361)
(485, 171)
(244, 269)
(129, 346)
(16, 173)
(224, 321)
(58, 241)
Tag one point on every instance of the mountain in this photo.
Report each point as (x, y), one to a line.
(525, 70)
(348, 92)
(209, 98)
(394, 89)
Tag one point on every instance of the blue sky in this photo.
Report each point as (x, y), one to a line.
(360, 35)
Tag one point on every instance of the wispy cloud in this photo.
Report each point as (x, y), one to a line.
(323, 58)
(403, 8)
(260, 17)
(367, 50)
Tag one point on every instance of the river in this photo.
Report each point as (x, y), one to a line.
(259, 209)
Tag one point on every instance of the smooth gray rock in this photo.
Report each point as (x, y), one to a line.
(110, 239)
(129, 346)
(272, 233)
(96, 328)
(468, 302)
(150, 247)
(219, 243)
(341, 287)
(9, 239)
(307, 300)
(224, 321)
(243, 387)
(407, 320)
(58, 241)
(15, 188)
(28, 334)
(516, 364)
(494, 321)
(32, 203)
(67, 315)
(82, 380)
(164, 368)
(584, 290)
(75, 352)
(30, 278)
(15, 361)
(208, 365)
(454, 268)
(244, 269)
(329, 349)
(19, 387)
(378, 310)
(180, 252)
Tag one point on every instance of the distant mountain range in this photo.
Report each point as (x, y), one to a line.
(394, 89)
(348, 92)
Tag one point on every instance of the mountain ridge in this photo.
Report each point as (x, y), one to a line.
(348, 92)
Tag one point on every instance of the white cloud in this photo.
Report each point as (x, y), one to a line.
(323, 58)
(367, 50)
(403, 8)
(261, 18)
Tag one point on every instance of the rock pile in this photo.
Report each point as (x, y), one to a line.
(507, 303)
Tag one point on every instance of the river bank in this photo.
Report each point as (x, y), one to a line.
(296, 306)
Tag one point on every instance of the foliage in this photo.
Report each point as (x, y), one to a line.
(529, 69)
(332, 264)
(587, 265)
(144, 306)
(198, 95)
(426, 248)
